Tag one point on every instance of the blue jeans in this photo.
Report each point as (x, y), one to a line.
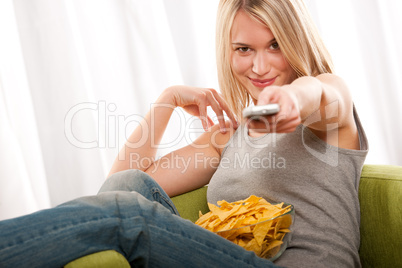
(132, 215)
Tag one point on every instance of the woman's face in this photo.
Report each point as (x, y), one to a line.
(256, 59)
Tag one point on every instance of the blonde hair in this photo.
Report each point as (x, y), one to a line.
(293, 29)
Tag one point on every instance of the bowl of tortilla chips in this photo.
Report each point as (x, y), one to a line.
(253, 224)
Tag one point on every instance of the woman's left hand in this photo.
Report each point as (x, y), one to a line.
(286, 120)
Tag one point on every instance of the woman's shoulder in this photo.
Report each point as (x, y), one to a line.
(341, 130)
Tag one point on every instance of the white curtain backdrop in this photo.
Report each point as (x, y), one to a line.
(76, 76)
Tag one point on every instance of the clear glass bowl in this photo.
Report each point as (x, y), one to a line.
(268, 238)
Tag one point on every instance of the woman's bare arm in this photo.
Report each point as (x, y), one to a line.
(143, 142)
(192, 166)
(321, 103)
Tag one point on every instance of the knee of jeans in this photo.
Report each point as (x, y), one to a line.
(125, 204)
(127, 180)
(140, 182)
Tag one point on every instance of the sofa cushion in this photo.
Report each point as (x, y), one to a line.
(189, 204)
(107, 258)
(380, 195)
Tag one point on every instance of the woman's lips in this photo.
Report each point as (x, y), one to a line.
(262, 83)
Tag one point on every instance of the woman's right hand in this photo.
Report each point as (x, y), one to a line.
(195, 102)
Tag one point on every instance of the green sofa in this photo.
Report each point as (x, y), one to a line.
(380, 195)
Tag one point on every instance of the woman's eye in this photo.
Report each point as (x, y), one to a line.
(243, 49)
(274, 46)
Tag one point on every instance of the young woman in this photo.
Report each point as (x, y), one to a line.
(310, 154)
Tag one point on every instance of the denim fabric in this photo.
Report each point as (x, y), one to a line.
(132, 215)
(140, 182)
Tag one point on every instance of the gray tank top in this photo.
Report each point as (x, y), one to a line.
(320, 180)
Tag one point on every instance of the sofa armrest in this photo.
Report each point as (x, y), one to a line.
(380, 195)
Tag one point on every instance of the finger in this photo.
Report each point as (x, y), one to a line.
(203, 115)
(217, 109)
(289, 124)
(225, 108)
(268, 119)
(284, 114)
(270, 126)
(269, 95)
(260, 125)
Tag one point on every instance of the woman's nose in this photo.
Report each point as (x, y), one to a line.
(261, 64)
